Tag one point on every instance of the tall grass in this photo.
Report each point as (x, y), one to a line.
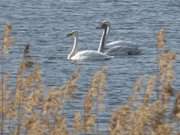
(148, 116)
(28, 109)
(6, 44)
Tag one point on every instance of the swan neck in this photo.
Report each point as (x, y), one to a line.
(74, 49)
(103, 39)
(107, 31)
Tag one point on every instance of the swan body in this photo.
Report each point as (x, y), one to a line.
(120, 50)
(121, 47)
(76, 55)
(115, 48)
(90, 55)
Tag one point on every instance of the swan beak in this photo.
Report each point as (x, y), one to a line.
(69, 34)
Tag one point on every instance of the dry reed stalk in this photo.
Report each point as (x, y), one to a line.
(136, 89)
(77, 123)
(7, 39)
(163, 129)
(88, 118)
(167, 74)
(143, 120)
(6, 44)
(4, 101)
(88, 103)
(60, 126)
(95, 96)
(20, 92)
(57, 96)
(71, 84)
(27, 97)
(160, 37)
(34, 126)
(176, 110)
(150, 87)
(161, 40)
(118, 121)
(89, 122)
(34, 91)
(53, 105)
(88, 107)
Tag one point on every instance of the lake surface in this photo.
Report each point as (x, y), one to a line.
(45, 23)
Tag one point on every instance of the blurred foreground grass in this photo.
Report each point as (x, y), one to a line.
(26, 110)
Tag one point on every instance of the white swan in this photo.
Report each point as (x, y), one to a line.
(76, 55)
(115, 48)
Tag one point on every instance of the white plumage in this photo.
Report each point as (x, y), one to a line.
(92, 55)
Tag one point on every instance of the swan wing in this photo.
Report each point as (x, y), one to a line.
(122, 50)
(119, 43)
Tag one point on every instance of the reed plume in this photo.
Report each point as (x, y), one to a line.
(6, 44)
(176, 110)
(161, 38)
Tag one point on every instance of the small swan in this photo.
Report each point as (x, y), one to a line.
(115, 48)
(76, 55)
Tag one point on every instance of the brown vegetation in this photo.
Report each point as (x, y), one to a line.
(27, 110)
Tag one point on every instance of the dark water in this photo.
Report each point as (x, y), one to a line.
(45, 23)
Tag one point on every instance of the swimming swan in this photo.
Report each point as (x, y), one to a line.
(115, 48)
(85, 54)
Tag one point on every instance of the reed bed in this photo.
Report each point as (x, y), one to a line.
(28, 109)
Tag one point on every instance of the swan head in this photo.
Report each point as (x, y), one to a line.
(72, 34)
(103, 25)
